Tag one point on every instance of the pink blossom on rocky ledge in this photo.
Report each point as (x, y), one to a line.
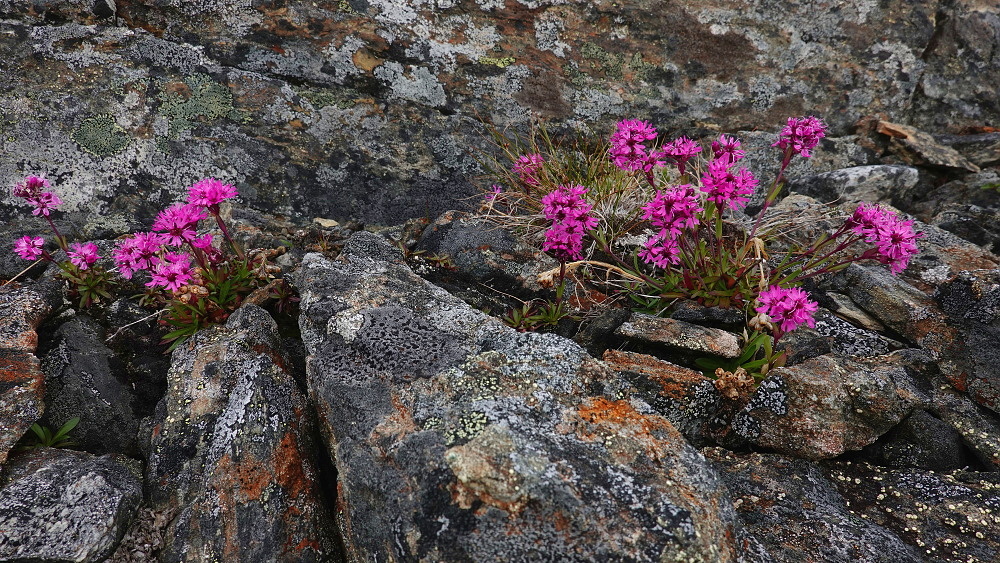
(44, 203)
(29, 248)
(727, 149)
(660, 251)
(569, 211)
(787, 308)
(897, 244)
(801, 135)
(528, 167)
(628, 150)
(673, 210)
(32, 186)
(725, 187)
(138, 252)
(83, 255)
(867, 220)
(681, 150)
(209, 193)
(172, 272)
(178, 222)
(565, 202)
(491, 195)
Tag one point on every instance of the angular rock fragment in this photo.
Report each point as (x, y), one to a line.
(826, 406)
(859, 184)
(61, 505)
(916, 146)
(457, 438)
(680, 336)
(232, 456)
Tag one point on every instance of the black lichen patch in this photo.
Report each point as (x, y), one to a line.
(101, 136)
(404, 346)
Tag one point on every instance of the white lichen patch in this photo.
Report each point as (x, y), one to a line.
(346, 324)
(548, 30)
(414, 84)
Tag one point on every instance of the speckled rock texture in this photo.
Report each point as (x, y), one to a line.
(232, 457)
(826, 406)
(798, 514)
(457, 438)
(82, 379)
(61, 505)
(859, 184)
(366, 109)
(679, 337)
(22, 383)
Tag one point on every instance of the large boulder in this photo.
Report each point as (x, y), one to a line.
(457, 438)
(232, 458)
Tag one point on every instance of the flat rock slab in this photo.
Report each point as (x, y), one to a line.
(61, 505)
(457, 438)
(232, 457)
(680, 335)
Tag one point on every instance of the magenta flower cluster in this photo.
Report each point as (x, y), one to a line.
(681, 150)
(29, 248)
(787, 308)
(570, 215)
(726, 186)
(161, 252)
(894, 239)
(628, 146)
(32, 190)
(801, 135)
(671, 211)
(529, 168)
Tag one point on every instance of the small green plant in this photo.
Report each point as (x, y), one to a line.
(757, 358)
(45, 438)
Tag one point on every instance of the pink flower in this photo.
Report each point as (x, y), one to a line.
(897, 244)
(491, 195)
(178, 222)
(569, 212)
(661, 252)
(628, 149)
(44, 203)
(32, 186)
(801, 135)
(29, 248)
(209, 193)
(727, 149)
(723, 186)
(172, 272)
(868, 220)
(83, 255)
(787, 308)
(681, 150)
(138, 253)
(673, 210)
(529, 167)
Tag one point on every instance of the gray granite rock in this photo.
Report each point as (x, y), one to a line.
(859, 184)
(232, 457)
(61, 505)
(457, 438)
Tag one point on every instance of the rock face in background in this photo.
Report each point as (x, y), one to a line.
(367, 109)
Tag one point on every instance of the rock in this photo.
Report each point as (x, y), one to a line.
(679, 336)
(485, 253)
(797, 514)
(917, 147)
(22, 383)
(967, 207)
(971, 302)
(947, 516)
(307, 106)
(596, 334)
(455, 437)
(858, 184)
(978, 426)
(982, 149)
(60, 505)
(683, 396)
(826, 406)
(846, 339)
(921, 441)
(732, 320)
(232, 457)
(83, 380)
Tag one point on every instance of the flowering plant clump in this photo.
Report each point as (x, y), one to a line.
(685, 206)
(189, 274)
(197, 279)
(88, 282)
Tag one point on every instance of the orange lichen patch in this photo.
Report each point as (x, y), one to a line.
(19, 367)
(365, 61)
(618, 422)
(245, 480)
(677, 382)
(398, 424)
(288, 467)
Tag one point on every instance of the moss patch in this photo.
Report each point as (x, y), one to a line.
(101, 136)
(501, 62)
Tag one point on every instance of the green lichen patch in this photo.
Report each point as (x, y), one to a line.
(501, 62)
(469, 426)
(101, 136)
(615, 65)
(198, 99)
(321, 98)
